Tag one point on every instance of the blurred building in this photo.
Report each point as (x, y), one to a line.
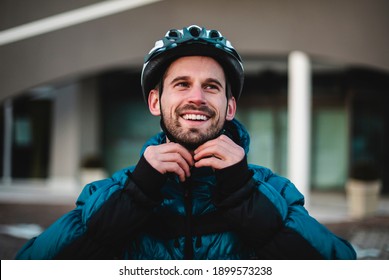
(72, 94)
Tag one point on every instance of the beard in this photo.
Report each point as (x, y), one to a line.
(191, 138)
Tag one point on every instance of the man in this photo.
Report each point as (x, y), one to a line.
(192, 195)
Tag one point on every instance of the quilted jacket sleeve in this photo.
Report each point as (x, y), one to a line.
(270, 215)
(106, 212)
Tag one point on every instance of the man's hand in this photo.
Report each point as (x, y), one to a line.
(170, 157)
(218, 153)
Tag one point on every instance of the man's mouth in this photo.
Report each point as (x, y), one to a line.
(195, 117)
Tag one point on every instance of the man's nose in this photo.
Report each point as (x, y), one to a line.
(197, 95)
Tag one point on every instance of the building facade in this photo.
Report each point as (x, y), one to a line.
(72, 95)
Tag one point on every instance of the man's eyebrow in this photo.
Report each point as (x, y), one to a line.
(179, 78)
(216, 81)
(186, 78)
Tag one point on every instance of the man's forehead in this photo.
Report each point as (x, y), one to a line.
(189, 59)
(186, 67)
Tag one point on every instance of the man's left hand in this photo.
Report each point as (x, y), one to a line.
(218, 153)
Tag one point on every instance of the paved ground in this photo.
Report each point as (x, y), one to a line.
(23, 220)
(369, 236)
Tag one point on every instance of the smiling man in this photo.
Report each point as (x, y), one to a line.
(194, 108)
(194, 104)
(192, 195)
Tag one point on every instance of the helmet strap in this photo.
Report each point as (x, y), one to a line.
(160, 89)
(162, 124)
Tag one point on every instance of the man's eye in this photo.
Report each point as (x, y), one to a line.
(212, 87)
(182, 84)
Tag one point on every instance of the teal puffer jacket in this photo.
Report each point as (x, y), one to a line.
(264, 218)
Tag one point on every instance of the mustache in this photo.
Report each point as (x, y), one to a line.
(192, 107)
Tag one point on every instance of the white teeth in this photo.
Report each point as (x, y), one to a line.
(195, 117)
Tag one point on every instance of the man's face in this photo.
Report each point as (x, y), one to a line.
(193, 104)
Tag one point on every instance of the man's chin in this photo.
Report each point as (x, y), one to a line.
(190, 138)
(190, 145)
(193, 143)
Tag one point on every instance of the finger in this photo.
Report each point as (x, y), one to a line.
(215, 159)
(218, 153)
(213, 162)
(178, 159)
(173, 167)
(170, 163)
(222, 140)
(155, 152)
(159, 156)
(219, 147)
(177, 148)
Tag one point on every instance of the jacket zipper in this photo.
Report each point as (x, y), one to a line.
(188, 248)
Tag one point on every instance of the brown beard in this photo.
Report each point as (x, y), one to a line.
(193, 138)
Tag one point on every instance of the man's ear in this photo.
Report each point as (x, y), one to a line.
(231, 109)
(153, 101)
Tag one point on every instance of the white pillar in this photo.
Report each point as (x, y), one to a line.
(65, 147)
(75, 133)
(89, 118)
(299, 122)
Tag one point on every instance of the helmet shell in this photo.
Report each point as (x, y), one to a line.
(192, 41)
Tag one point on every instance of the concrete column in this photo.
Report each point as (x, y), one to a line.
(299, 122)
(76, 133)
(90, 122)
(65, 147)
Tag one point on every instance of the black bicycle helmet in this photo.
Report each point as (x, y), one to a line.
(192, 41)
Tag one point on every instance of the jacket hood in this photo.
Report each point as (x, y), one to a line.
(233, 129)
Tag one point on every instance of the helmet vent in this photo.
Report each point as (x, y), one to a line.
(214, 34)
(195, 31)
(174, 33)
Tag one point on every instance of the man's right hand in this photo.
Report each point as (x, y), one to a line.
(170, 157)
